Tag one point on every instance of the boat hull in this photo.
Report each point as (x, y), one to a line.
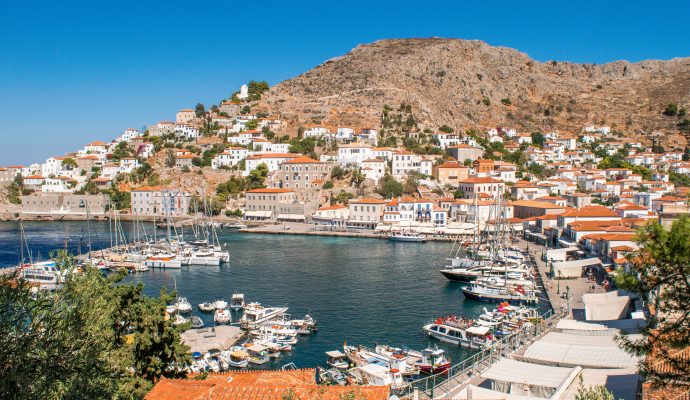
(495, 298)
(458, 277)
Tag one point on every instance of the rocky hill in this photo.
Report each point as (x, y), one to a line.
(469, 84)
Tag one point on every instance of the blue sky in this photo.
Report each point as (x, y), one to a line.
(72, 72)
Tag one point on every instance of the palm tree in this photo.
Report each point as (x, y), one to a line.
(357, 177)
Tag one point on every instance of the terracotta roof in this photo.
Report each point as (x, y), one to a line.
(272, 155)
(368, 200)
(270, 190)
(302, 160)
(451, 165)
(481, 180)
(537, 204)
(148, 189)
(265, 385)
(335, 207)
(591, 211)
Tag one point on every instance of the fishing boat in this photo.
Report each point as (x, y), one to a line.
(220, 304)
(332, 376)
(46, 275)
(182, 305)
(378, 375)
(197, 322)
(207, 307)
(222, 316)
(407, 237)
(237, 301)
(255, 316)
(461, 332)
(336, 359)
(433, 361)
(163, 261)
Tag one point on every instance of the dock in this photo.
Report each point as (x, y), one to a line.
(220, 337)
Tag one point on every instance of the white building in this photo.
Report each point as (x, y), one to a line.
(354, 153)
(231, 156)
(187, 131)
(272, 161)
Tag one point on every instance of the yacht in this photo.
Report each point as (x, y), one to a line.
(45, 275)
(204, 257)
(509, 293)
(237, 301)
(433, 361)
(407, 237)
(462, 332)
(222, 316)
(254, 317)
(163, 261)
(207, 307)
(236, 357)
(336, 359)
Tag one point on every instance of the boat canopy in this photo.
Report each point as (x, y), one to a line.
(544, 376)
(335, 354)
(478, 330)
(239, 354)
(605, 306)
(257, 348)
(258, 214)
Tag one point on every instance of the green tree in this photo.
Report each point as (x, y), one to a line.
(598, 392)
(445, 129)
(257, 176)
(252, 125)
(93, 338)
(390, 187)
(660, 275)
(199, 110)
(121, 150)
(338, 172)
(328, 185)
(538, 139)
(506, 102)
(255, 89)
(69, 163)
(15, 189)
(357, 177)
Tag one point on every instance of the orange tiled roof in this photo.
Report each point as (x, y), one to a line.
(368, 200)
(270, 190)
(481, 180)
(302, 160)
(591, 211)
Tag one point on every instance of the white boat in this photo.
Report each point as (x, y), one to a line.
(237, 301)
(257, 353)
(182, 305)
(222, 316)
(204, 257)
(336, 359)
(207, 307)
(462, 333)
(179, 320)
(378, 375)
(197, 322)
(45, 275)
(141, 268)
(171, 309)
(220, 304)
(407, 237)
(163, 261)
(485, 292)
(254, 317)
(236, 357)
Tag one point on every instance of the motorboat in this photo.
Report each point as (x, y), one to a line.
(204, 257)
(179, 320)
(433, 361)
(407, 237)
(336, 359)
(378, 375)
(236, 357)
(197, 322)
(222, 316)
(237, 301)
(257, 353)
(462, 332)
(182, 305)
(171, 309)
(512, 294)
(332, 376)
(46, 275)
(163, 261)
(254, 317)
(140, 268)
(207, 307)
(220, 304)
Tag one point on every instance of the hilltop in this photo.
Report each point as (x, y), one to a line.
(469, 84)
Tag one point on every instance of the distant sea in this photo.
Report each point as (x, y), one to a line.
(360, 291)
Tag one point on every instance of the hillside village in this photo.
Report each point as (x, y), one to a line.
(591, 187)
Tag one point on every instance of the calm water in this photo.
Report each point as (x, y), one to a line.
(363, 291)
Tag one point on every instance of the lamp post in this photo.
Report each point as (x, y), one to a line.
(558, 290)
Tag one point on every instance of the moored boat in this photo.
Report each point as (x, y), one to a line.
(237, 301)
(222, 316)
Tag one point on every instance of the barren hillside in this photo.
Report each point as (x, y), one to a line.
(467, 84)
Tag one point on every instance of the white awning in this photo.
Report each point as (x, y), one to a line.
(573, 269)
(604, 306)
(335, 354)
(508, 370)
(291, 217)
(478, 330)
(573, 325)
(258, 214)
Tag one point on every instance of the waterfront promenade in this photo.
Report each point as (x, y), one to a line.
(301, 228)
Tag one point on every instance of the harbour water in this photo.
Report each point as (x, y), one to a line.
(363, 291)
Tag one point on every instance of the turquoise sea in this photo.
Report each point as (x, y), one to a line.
(359, 290)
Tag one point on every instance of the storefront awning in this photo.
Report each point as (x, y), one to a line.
(291, 217)
(258, 214)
